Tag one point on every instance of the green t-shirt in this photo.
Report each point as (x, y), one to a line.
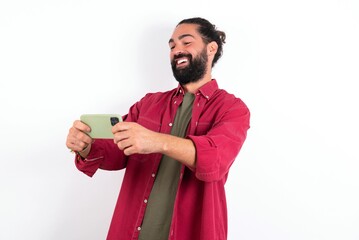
(157, 220)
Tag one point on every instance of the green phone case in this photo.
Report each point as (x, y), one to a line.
(100, 124)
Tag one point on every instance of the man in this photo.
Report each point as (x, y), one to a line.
(177, 147)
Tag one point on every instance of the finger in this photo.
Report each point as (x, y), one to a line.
(76, 145)
(77, 140)
(81, 126)
(121, 126)
(122, 145)
(120, 136)
(69, 144)
(72, 146)
(128, 151)
(83, 137)
(77, 133)
(71, 139)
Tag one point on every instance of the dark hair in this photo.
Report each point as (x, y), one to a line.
(209, 33)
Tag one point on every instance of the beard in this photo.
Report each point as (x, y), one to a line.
(195, 70)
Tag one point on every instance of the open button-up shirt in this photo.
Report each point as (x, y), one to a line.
(218, 129)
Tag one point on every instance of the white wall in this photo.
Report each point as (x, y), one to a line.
(294, 63)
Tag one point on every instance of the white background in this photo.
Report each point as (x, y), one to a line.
(294, 63)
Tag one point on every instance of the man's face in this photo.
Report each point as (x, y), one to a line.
(188, 55)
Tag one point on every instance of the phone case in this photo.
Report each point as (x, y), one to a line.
(101, 124)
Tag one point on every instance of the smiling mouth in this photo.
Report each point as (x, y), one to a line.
(181, 62)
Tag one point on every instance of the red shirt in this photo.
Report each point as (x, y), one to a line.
(218, 129)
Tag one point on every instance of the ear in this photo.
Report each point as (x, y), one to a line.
(212, 48)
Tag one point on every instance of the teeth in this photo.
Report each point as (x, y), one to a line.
(181, 61)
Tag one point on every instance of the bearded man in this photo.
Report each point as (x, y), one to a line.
(176, 147)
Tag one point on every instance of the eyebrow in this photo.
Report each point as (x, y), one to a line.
(180, 37)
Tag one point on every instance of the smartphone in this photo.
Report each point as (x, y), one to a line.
(101, 124)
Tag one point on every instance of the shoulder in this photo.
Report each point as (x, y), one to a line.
(220, 96)
(157, 97)
(229, 99)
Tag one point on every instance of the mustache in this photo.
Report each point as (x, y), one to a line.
(180, 55)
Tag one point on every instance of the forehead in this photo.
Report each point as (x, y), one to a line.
(185, 29)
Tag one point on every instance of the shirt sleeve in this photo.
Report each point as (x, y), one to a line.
(217, 150)
(104, 154)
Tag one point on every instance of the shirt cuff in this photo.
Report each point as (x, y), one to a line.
(92, 162)
(207, 161)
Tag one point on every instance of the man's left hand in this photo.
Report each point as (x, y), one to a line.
(133, 138)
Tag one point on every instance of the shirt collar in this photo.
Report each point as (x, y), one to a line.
(207, 90)
(179, 90)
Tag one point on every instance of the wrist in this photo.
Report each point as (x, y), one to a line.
(164, 143)
(84, 152)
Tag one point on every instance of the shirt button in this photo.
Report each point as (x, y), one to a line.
(170, 124)
(145, 201)
(153, 175)
(139, 228)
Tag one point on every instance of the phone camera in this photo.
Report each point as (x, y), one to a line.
(114, 120)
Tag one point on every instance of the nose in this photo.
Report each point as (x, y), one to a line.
(177, 49)
(178, 53)
(174, 54)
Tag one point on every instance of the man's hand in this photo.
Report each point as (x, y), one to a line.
(78, 140)
(133, 138)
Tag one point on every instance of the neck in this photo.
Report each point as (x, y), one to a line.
(193, 87)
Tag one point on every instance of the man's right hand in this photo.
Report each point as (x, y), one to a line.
(77, 139)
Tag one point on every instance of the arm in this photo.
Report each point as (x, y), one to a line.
(218, 148)
(133, 138)
(93, 154)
